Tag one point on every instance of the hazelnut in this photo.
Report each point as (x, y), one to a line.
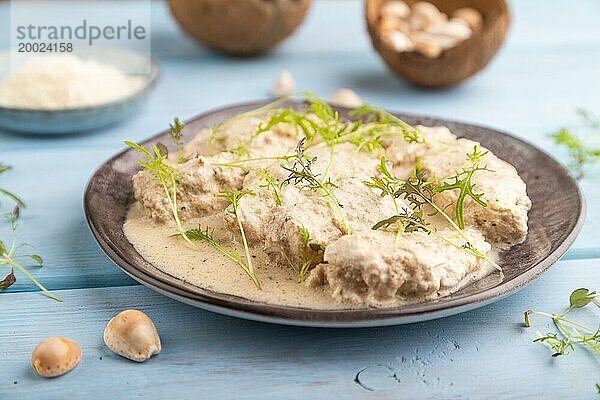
(346, 98)
(284, 85)
(396, 9)
(470, 15)
(132, 334)
(55, 356)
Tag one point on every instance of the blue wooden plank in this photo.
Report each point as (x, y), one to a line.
(483, 354)
(52, 184)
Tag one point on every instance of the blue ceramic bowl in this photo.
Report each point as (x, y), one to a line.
(75, 120)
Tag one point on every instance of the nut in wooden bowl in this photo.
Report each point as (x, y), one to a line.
(438, 43)
(239, 27)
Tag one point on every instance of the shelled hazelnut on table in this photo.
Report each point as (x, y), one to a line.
(423, 28)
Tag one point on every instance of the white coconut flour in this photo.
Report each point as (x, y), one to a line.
(65, 81)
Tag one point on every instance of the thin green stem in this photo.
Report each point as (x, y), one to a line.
(478, 253)
(236, 163)
(172, 199)
(562, 318)
(14, 197)
(250, 268)
(333, 202)
(329, 164)
(30, 277)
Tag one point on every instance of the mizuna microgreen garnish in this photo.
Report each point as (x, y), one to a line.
(313, 254)
(301, 175)
(418, 193)
(570, 333)
(580, 152)
(388, 184)
(10, 195)
(408, 222)
(233, 197)
(259, 112)
(206, 236)
(168, 177)
(381, 118)
(319, 123)
(240, 151)
(241, 163)
(477, 155)
(175, 133)
(463, 183)
(271, 183)
(10, 256)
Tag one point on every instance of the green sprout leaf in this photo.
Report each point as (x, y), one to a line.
(301, 175)
(417, 192)
(9, 254)
(580, 153)
(272, 184)
(313, 254)
(463, 182)
(20, 203)
(175, 133)
(37, 259)
(571, 333)
(233, 197)
(581, 298)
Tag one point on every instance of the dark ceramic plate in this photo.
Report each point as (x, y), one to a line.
(554, 221)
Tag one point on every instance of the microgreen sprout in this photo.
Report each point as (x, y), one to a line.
(382, 119)
(301, 175)
(312, 254)
(233, 197)
(175, 133)
(571, 333)
(167, 176)
(580, 152)
(10, 256)
(417, 192)
(259, 112)
(462, 181)
(10, 195)
(272, 184)
(206, 235)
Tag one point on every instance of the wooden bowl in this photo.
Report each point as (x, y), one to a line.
(239, 27)
(455, 64)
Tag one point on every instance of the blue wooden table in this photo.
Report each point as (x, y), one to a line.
(550, 66)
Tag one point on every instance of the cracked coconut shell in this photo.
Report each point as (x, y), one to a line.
(239, 27)
(455, 64)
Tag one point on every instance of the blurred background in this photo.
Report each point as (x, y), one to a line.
(547, 67)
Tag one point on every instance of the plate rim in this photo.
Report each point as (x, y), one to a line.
(291, 315)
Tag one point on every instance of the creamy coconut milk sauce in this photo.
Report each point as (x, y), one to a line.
(206, 268)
